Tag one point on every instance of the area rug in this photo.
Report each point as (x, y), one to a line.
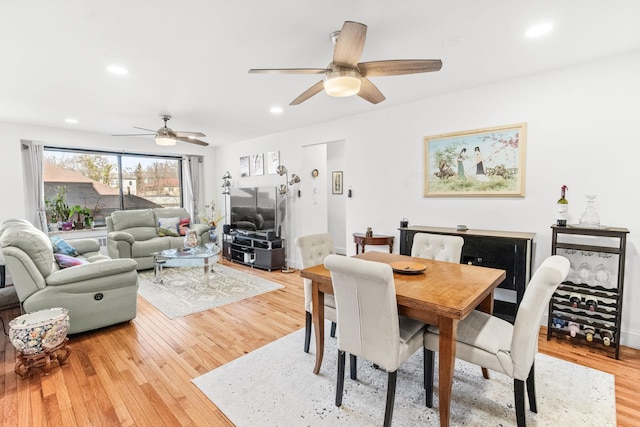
(184, 291)
(275, 386)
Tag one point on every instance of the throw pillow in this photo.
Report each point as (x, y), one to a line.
(66, 261)
(167, 232)
(183, 226)
(169, 223)
(62, 247)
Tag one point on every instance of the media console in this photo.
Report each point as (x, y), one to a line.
(254, 249)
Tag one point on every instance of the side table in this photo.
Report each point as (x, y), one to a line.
(361, 240)
(40, 338)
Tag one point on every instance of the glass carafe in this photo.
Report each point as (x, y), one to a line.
(589, 217)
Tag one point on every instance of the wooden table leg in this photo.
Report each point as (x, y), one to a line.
(447, 348)
(317, 301)
(391, 247)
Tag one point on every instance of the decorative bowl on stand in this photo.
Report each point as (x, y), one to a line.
(37, 332)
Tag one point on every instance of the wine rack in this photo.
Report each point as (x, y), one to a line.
(587, 306)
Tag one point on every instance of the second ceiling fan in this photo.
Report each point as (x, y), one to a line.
(345, 76)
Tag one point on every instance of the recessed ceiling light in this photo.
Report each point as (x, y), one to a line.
(539, 29)
(70, 120)
(116, 69)
(276, 110)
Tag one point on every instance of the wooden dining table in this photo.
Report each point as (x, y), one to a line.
(443, 294)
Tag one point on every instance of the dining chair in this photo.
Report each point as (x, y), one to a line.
(313, 249)
(493, 343)
(368, 322)
(437, 246)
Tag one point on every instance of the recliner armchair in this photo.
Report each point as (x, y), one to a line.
(100, 292)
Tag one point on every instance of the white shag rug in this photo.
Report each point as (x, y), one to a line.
(184, 291)
(275, 386)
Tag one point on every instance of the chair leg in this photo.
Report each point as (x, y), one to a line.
(333, 329)
(340, 381)
(518, 394)
(307, 331)
(531, 389)
(353, 365)
(391, 397)
(428, 376)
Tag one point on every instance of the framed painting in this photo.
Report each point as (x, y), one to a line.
(481, 162)
(273, 161)
(257, 162)
(244, 166)
(336, 182)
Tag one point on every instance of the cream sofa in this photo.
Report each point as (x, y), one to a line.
(134, 234)
(99, 292)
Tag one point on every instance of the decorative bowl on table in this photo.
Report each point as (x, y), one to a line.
(37, 332)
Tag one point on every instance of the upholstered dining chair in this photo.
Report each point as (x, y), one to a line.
(493, 343)
(313, 249)
(438, 247)
(368, 322)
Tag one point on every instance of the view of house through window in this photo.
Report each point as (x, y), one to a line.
(84, 187)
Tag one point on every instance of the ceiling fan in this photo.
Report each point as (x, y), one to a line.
(344, 76)
(166, 136)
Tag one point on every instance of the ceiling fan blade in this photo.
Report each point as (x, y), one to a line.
(188, 134)
(135, 134)
(370, 92)
(398, 67)
(313, 90)
(150, 130)
(288, 70)
(350, 44)
(192, 141)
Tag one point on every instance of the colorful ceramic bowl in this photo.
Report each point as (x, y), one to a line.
(36, 332)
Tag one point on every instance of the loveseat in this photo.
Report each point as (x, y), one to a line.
(98, 291)
(137, 233)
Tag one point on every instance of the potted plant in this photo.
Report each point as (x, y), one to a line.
(58, 208)
(82, 214)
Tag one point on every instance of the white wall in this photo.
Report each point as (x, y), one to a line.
(579, 134)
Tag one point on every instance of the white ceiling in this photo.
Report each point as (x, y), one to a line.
(190, 58)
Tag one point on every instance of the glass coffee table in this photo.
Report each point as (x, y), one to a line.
(209, 256)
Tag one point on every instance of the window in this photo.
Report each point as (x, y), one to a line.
(104, 182)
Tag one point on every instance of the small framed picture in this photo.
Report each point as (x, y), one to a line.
(336, 182)
(273, 161)
(244, 166)
(257, 164)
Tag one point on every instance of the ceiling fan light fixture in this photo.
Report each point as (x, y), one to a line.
(342, 83)
(165, 140)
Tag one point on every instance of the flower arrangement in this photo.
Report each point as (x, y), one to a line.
(211, 216)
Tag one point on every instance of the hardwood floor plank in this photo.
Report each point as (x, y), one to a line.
(139, 373)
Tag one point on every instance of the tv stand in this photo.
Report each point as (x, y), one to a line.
(253, 250)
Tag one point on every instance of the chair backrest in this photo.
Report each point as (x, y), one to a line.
(437, 246)
(367, 311)
(524, 343)
(313, 249)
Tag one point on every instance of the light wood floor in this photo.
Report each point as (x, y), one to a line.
(139, 373)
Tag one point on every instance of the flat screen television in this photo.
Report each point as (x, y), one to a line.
(256, 209)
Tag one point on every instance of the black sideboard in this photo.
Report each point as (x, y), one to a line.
(509, 251)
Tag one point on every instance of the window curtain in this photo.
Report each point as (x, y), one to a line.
(32, 158)
(193, 173)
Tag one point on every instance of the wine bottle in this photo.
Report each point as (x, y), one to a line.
(607, 336)
(575, 300)
(559, 323)
(589, 332)
(592, 303)
(563, 208)
(574, 328)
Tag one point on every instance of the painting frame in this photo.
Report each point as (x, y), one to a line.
(336, 182)
(257, 164)
(487, 162)
(244, 166)
(273, 161)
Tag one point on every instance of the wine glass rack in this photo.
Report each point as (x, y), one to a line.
(587, 307)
